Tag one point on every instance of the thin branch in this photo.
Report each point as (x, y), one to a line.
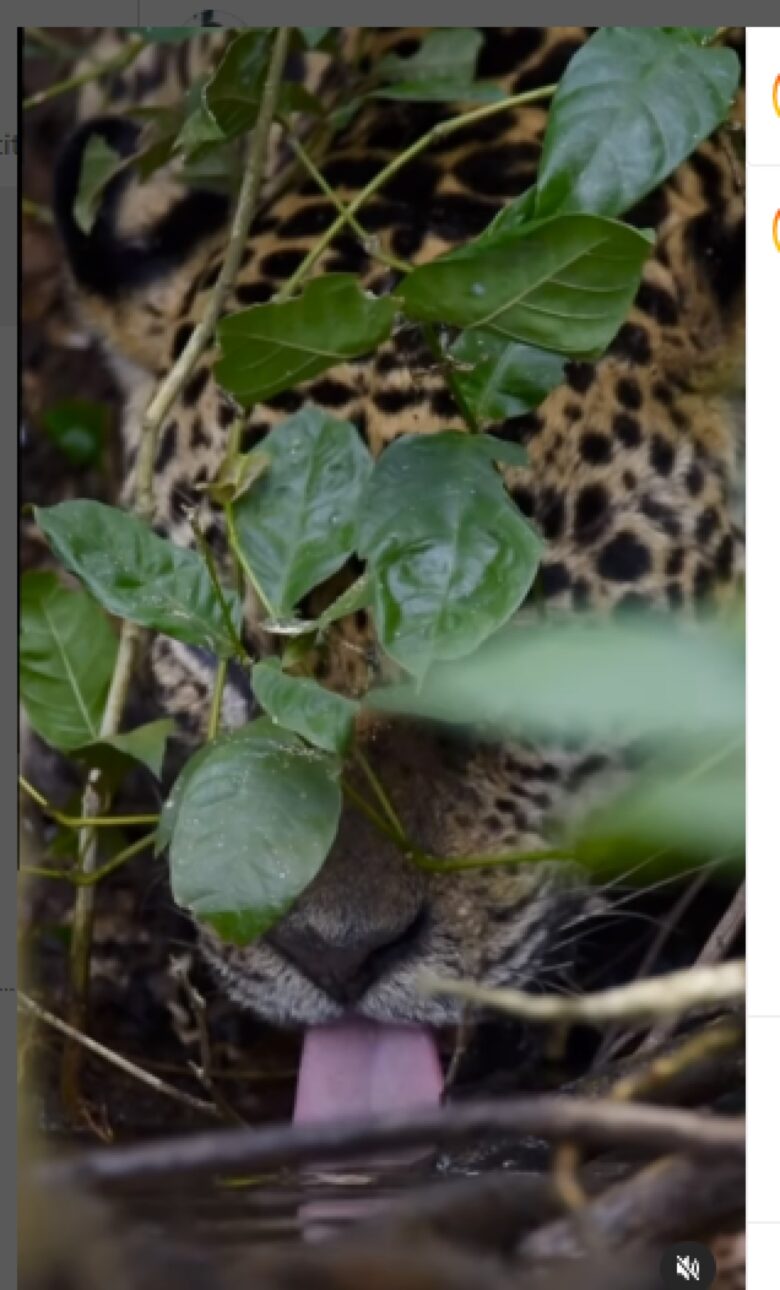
(554, 1118)
(29, 1005)
(715, 948)
(118, 63)
(256, 166)
(80, 821)
(89, 880)
(664, 996)
(439, 132)
(144, 507)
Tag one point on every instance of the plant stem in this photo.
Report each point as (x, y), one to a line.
(208, 556)
(118, 63)
(144, 507)
(215, 711)
(201, 337)
(79, 821)
(89, 880)
(440, 131)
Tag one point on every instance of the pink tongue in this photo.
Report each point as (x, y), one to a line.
(358, 1068)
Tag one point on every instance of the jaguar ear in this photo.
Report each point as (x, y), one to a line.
(119, 254)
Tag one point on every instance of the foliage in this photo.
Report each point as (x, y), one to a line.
(448, 557)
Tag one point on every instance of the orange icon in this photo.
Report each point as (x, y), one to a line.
(776, 95)
(776, 230)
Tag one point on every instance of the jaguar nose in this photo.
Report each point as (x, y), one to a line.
(346, 968)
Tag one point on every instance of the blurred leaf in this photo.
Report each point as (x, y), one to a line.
(441, 92)
(359, 595)
(273, 347)
(321, 717)
(78, 428)
(640, 677)
(145, 744)
(296, 525)
(631, 105)
(313, 36)
(450, 556)
(699, 35)
(296, 98)
(447, 54)
(255, 821)
(99, 165)
(137, 575)
(67, 652)
(563, 284)
(505, 379)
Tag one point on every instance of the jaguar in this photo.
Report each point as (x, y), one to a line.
(632, 479)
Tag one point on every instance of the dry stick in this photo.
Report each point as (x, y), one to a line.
(663, 996)
(556, 1119)
(144, 507)
(715, 948)
(114, 1059)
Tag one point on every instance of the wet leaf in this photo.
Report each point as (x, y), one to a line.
(632, 104)
(321, 717)
(255, 820)
(137, 575)
(273, 347)
(296, 525)
(67, 652)
(450, 556)
(499, 378)
(562, 284)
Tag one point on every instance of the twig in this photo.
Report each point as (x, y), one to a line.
(124, 58)
(205, 1072)
(89, 880)
(144, 506)
(557, 1119)
(664, 1201)
(440, 131)
(80, 821)
(256, 163)
(714, 949)
(114, 1059)
(663, 996)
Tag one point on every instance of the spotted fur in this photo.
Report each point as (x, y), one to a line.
(633, 466)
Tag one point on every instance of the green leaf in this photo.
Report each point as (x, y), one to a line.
(232, 95)
(563, 284)
(697, 814)
(699, 35)
(360, 595)
(255, 820)
(499, 379)
(78, 428)
(137, 575)
(447, 54)
(643, 676)
(313, 36)
(200, 130)
(145, 744)
(296, 98)
(512, 217)
(632, 104)
(236, 476)
(67, 652)
(296, 525)
(270, 348)
(441, 92)
(321, 717)
(450, 556)
(99, 164)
